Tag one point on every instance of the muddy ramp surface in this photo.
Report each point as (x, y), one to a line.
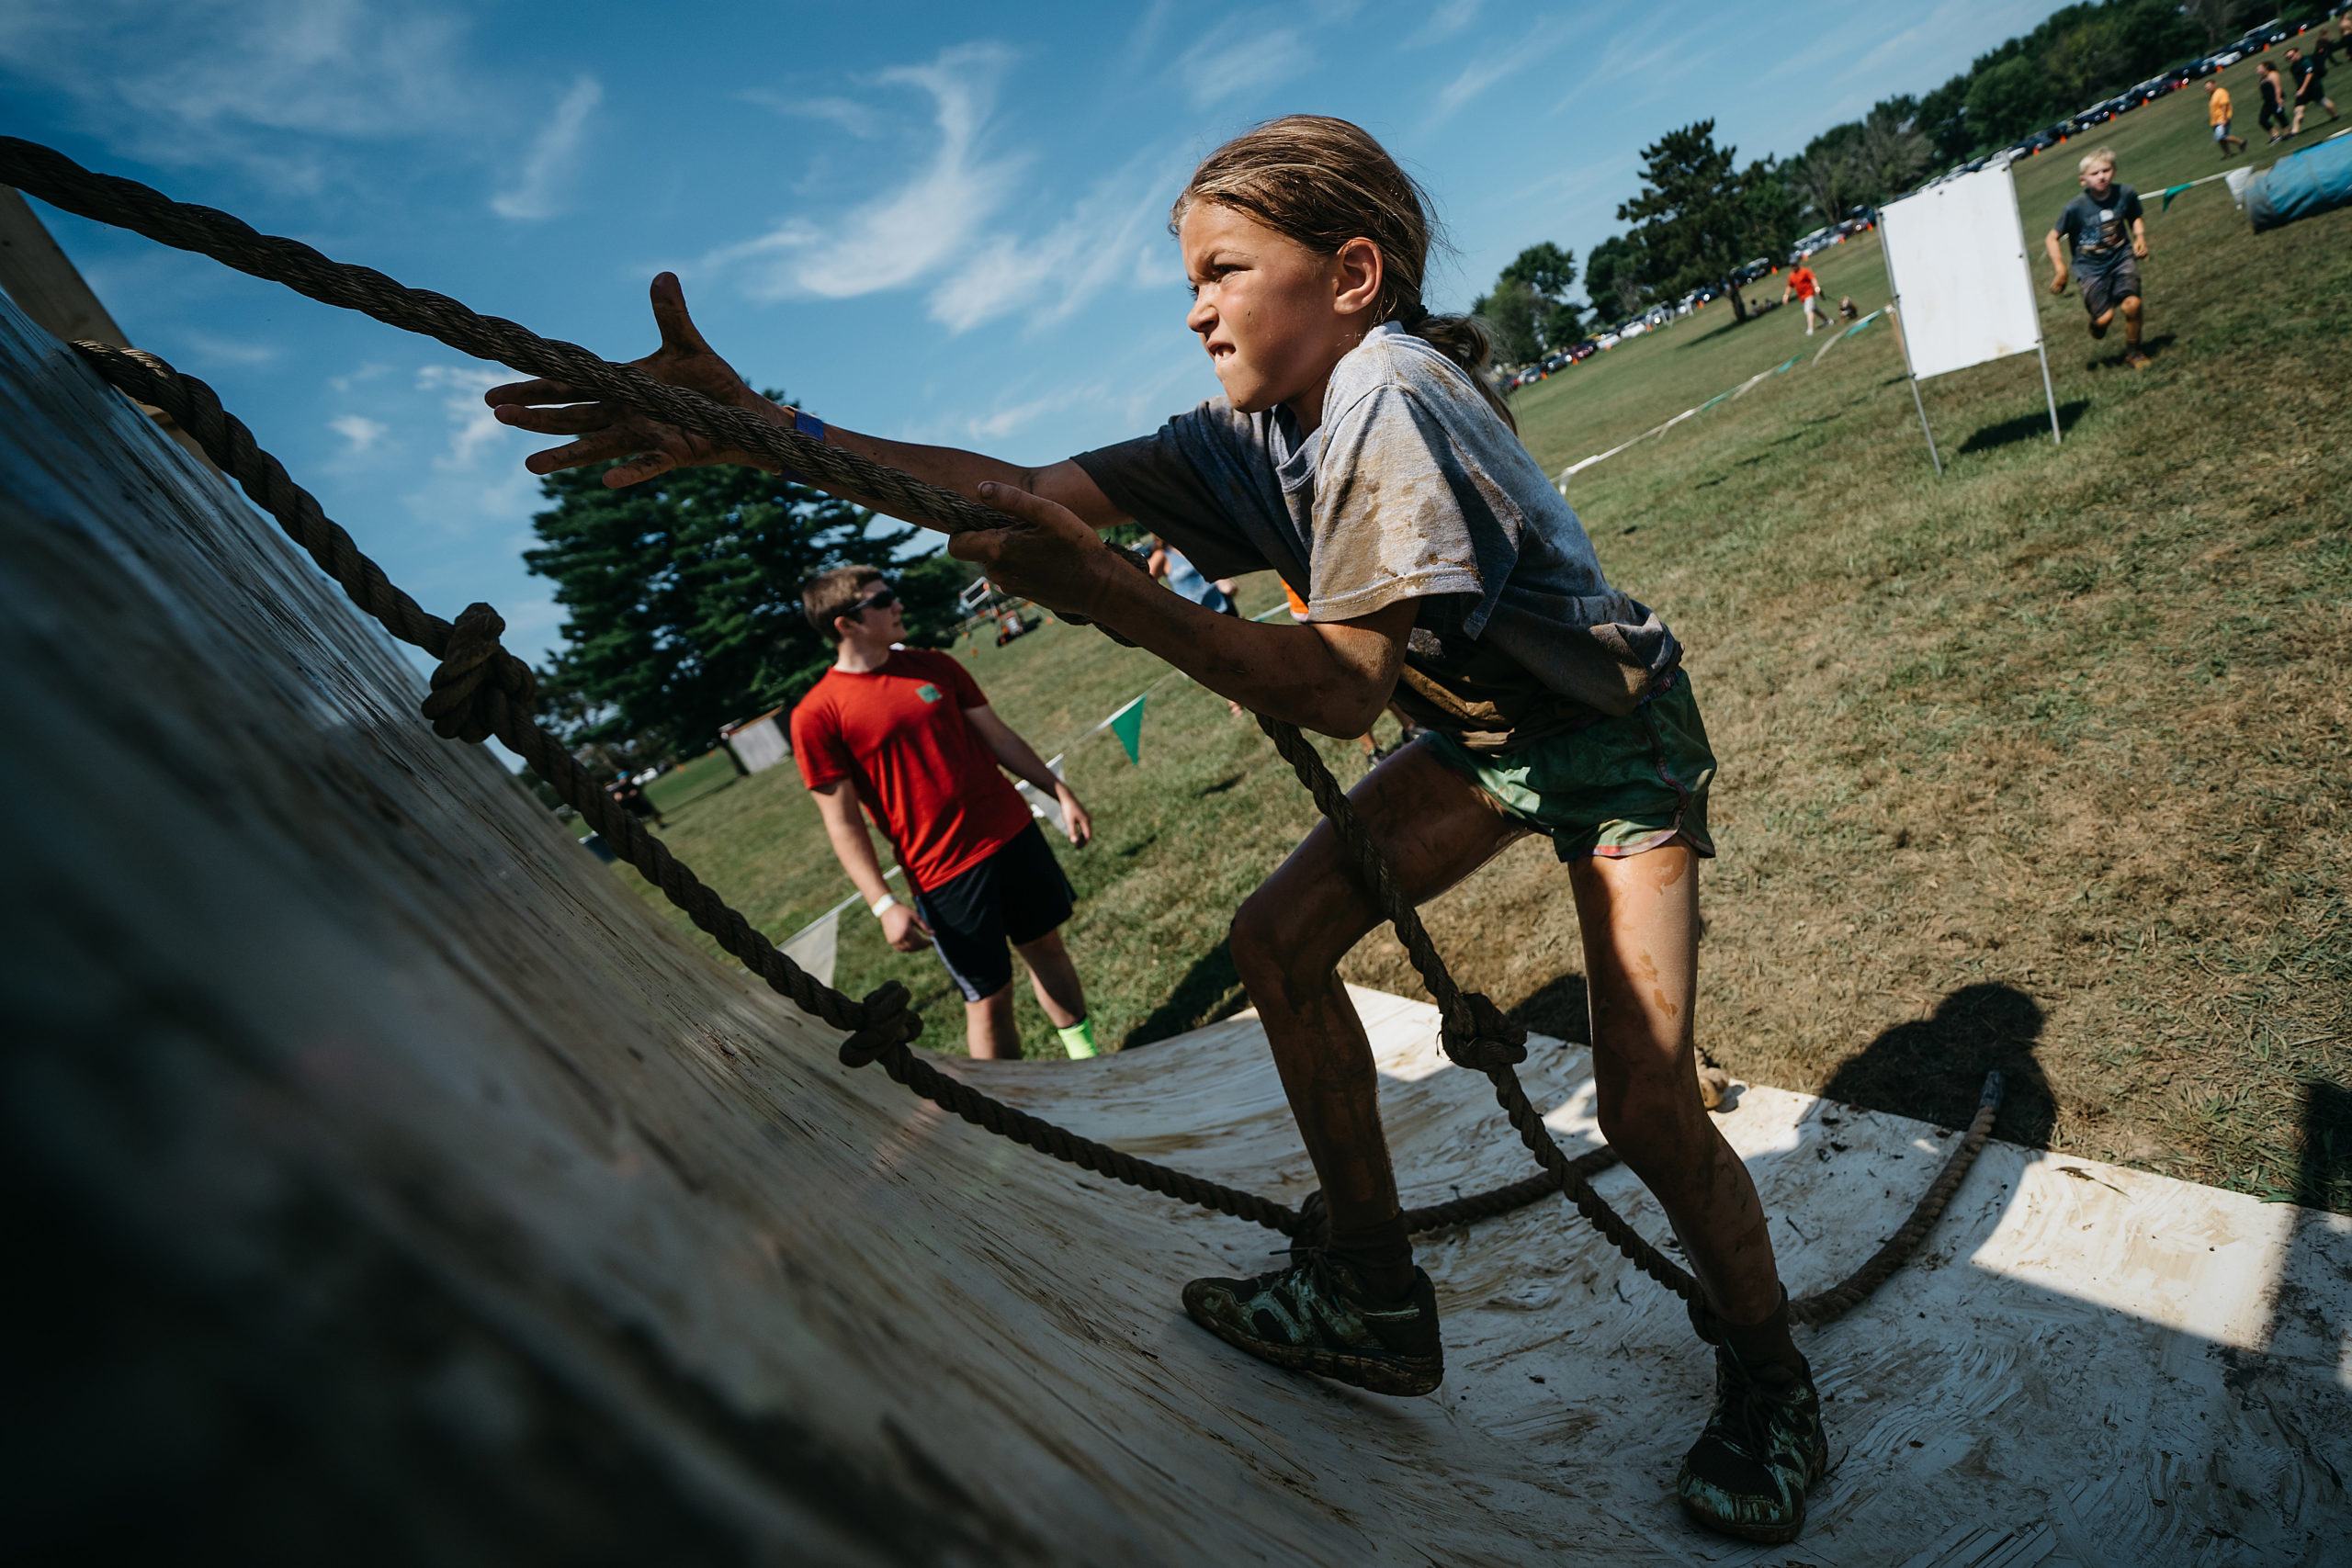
(389, 1184)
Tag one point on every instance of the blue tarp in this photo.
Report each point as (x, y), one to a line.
(2317, 179)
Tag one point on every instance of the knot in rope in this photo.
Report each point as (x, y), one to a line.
(1476, 1036)
(475, 673)
(889, 1025)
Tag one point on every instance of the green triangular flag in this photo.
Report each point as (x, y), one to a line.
(2174, 191)
(1127, 725)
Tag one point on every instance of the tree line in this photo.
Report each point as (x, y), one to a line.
(1700, 214)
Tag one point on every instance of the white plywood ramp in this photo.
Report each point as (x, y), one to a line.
(2083, 1365)
(396, 1186)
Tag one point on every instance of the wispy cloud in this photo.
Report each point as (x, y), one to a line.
(214, 349)
(907, 232)
(1444, 22)
(1495, 65)
(859, 119)
(1110, 238)
(537, 186)
(360, 435)
(370, 371)
(1241, 56)
(256, 83)
(472, 427)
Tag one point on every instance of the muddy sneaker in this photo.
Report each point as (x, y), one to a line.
(1748, 1474)
(1313, 1317)
(2137, 360)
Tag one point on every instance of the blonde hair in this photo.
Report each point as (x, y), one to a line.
(2096, 155)
(1323, 182)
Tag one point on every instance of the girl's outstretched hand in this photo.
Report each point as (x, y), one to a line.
(1043, 551)
(606, 431)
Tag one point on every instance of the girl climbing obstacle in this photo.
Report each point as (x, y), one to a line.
(1358, 452)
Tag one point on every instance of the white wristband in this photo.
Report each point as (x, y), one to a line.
(883, 905)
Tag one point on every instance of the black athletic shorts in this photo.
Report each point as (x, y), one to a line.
(1016, 895)
(2105, 288)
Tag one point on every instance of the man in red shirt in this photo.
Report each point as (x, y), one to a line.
(1807, 287)
(906, 733)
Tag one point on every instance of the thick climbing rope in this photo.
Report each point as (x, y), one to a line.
(480, 689)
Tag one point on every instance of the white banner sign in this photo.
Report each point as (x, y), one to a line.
(1958, 257)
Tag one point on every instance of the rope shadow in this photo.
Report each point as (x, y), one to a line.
(1933, 1069)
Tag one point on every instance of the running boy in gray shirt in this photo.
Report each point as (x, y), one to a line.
(2111, 240)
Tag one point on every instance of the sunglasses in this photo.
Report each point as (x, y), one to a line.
(882, 601)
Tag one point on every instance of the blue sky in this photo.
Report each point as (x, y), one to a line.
(934, 223)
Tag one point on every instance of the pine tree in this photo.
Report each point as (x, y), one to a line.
(682, 600)
(1702, 217)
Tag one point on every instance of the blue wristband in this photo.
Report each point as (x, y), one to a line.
(808, 424)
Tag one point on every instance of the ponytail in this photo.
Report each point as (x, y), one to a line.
(1464, 340)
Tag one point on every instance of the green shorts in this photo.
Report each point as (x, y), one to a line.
(1616, 787)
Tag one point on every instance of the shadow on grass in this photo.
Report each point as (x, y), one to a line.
(2323, 1170)
(1731, 323)
(2025, 427)
(671, 808)
(1210, 990)
(1933, 1069)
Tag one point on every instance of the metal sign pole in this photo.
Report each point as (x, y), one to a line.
(1903, 336)
(2055, 439)
(2041, 348)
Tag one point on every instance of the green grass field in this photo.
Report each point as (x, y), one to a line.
(2041, 765)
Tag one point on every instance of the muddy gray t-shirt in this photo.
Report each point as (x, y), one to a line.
(1411, 488)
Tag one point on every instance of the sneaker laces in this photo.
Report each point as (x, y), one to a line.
(1747, 1407)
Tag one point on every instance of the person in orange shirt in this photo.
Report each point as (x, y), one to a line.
(1807, 287)
(2217, 113)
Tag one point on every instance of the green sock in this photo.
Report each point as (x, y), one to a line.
(1079, 1039)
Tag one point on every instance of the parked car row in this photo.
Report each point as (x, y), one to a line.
(1830, 234)
(2255, 40)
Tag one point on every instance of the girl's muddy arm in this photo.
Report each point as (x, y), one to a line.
(607, 431)
(1330, 676)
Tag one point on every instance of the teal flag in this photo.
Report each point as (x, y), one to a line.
(1127, 725)
(2169, 193)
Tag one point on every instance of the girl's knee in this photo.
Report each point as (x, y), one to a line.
(1647, 1108)
(1261, 944)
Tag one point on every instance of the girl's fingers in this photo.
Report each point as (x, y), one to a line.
(536, 391)
(600, 446)
(570, 419)
(643, 466)
(1018, 501)
(568, 456)
(678, 329)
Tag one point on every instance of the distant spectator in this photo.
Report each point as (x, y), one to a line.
(1172, 563)
(2311, 88)
(1847, 309)
(2216, 112)
(2111, 240)
(1807, 287)
(2274, 99)
(906, 734)
(630, 797)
